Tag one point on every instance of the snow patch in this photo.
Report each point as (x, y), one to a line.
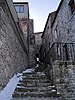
(52, 86)
(28, 71)
(58, 92)
(53, 90)
(6, 93)
(19, 74)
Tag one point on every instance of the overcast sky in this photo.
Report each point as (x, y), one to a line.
(39, 11)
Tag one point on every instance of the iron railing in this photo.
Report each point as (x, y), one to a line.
(61, 52)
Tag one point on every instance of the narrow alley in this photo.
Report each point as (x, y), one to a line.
(37, 65)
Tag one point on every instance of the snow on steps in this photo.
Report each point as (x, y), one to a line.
(34, 85)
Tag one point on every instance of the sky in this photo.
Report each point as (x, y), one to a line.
(39, 11)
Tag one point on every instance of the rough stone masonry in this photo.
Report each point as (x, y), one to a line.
(13, 57)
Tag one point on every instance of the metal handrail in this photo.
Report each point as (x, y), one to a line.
(60, 51)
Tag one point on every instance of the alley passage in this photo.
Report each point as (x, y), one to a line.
(35, 86)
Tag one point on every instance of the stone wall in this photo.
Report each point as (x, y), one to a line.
(63, 29)
(31, 44)
(24, 27)
(38, 41)
(13, 58)
(31, 56)
(64, 79)
(47, 36)
(28, 32)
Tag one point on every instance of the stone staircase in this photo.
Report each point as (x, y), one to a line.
(35, 86)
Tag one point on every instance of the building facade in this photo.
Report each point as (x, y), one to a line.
(63, 25)
(59, 56)
(26, 24)
(60, 30)
(31, 44)
(13, 52)
(47, 37)
(38, 42)
(22, 9)
(63, 30)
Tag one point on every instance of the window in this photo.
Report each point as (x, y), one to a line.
(19, 8)
(72, 5)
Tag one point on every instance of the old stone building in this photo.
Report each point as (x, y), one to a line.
(55, 46)
(47, 37)
(26, 24)
(60, 56)
(38, 43)
(13, 51)
(31, 44)
(63, 25)
(59, 29)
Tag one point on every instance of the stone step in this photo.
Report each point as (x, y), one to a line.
(31, 89)
(34, 80)
(25, 84)
(35, 94)
(33, 84)
(29, 74)
(33, 75)
(21, 89)
(37, 84)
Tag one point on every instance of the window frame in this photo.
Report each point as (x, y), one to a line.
(20, 8)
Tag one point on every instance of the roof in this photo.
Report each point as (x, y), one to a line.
(20, 2)
(57, 12)
(53, 16)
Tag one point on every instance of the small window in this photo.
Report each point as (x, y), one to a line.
(72, 5)
(19, 8)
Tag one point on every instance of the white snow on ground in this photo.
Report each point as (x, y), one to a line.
(6, 93)
(53, 90)
(28, 70)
